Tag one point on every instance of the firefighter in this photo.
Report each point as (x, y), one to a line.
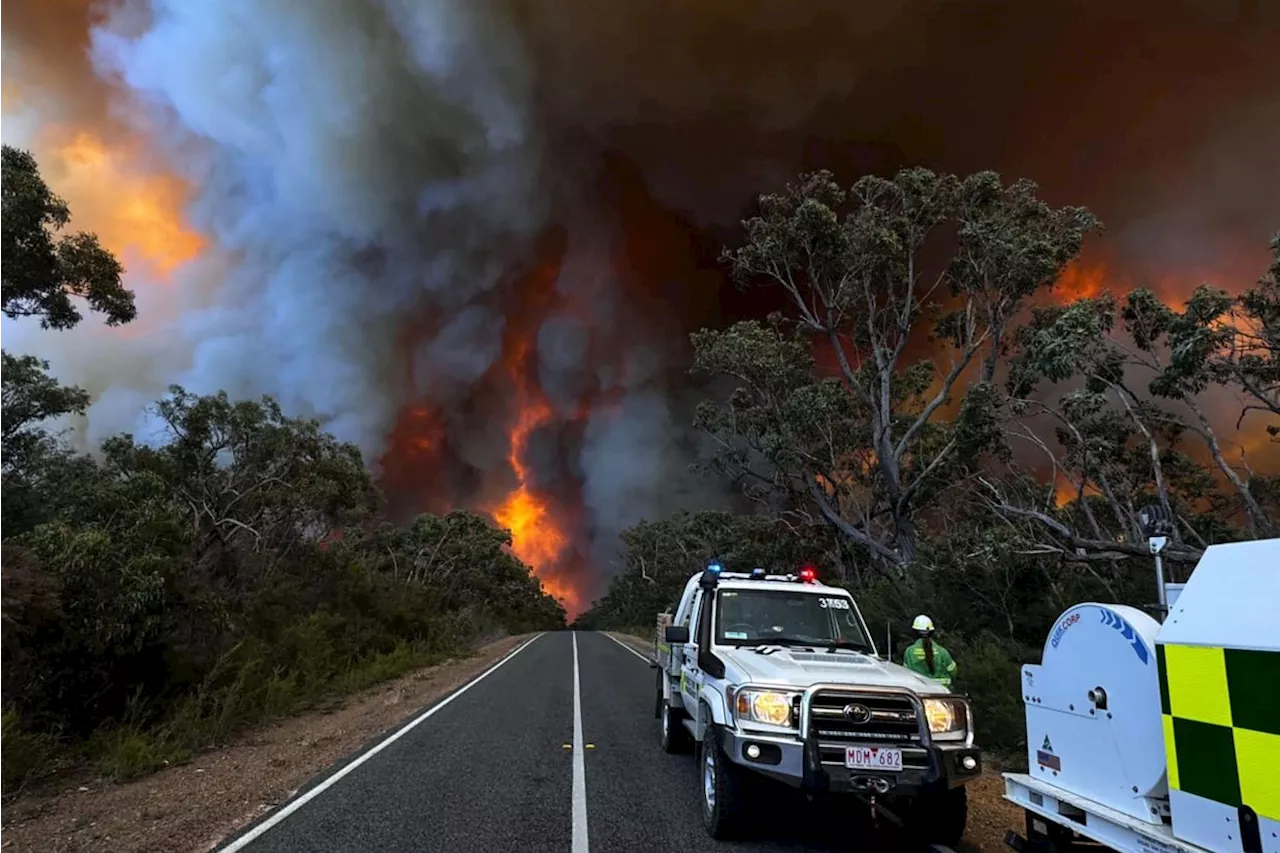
(926, 656)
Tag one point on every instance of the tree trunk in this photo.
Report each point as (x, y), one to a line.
(1258, 521)
(905, 540)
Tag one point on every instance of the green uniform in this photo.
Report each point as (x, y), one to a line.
(944, 667)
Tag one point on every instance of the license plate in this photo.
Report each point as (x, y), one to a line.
(873, 758)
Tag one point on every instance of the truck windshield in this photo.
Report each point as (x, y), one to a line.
(751, 617)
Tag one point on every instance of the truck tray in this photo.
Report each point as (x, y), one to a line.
(1094, 821)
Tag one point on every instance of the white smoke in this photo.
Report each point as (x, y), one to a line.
(357, 164)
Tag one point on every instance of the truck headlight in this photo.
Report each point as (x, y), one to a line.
(763, 706)
(948, 718)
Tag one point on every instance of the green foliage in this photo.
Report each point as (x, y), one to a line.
(23, 752)
(42, 272)
(464, 560)
(871, 273)
(1130, 412)
(161, 597)
(662, 555)
(31, 451)
(991, 675)
(245, 687)
(1217, 338)
(247, 477)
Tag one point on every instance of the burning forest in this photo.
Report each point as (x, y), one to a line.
(473, 238)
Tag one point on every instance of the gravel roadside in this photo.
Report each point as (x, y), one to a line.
(195, 805)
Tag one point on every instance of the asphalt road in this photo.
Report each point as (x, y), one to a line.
(493, 769)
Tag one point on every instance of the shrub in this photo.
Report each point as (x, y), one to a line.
(23, 754)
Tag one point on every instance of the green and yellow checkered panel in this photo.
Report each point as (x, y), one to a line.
(1221, 714)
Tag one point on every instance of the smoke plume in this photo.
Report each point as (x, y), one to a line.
(471, 235)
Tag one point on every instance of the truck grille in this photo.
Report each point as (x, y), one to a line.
(893, 722)
(893, 719)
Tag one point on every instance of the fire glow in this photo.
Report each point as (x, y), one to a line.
(536, 537)
(135, 214)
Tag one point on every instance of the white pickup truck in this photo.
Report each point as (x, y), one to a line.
(776, 676)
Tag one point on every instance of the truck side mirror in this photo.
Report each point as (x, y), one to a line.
(677, 634)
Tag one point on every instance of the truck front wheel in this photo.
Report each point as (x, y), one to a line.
(723, 793)
(942, 815)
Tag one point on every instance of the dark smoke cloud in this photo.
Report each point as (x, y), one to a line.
(380, 177)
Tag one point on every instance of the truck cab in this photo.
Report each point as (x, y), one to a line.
(776, 676)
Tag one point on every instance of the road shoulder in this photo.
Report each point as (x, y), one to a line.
(196, 805)
(640, 645)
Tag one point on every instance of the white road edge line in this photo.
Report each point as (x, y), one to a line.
(625, 646)
(579, 762)
(249, 837)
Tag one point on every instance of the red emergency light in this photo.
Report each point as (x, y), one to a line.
(808, 574)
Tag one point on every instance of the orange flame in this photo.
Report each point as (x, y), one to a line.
(1066, 492)
(536, 538)
(1080, 282)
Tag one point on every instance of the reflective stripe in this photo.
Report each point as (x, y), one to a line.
(1258, 764)
(1170, 750)
(1198, 684)
(1221, 728)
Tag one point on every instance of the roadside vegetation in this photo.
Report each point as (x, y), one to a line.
(934, 426)
(160, 595)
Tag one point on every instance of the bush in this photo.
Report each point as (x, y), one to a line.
(989, 670)
(22, 753)
(126, 752)
(164, 597)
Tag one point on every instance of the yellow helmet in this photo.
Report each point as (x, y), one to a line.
(923, 623)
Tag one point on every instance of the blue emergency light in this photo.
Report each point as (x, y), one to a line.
(714, 567)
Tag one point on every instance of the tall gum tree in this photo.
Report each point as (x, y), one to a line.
(1139, 385)
(908, 286)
